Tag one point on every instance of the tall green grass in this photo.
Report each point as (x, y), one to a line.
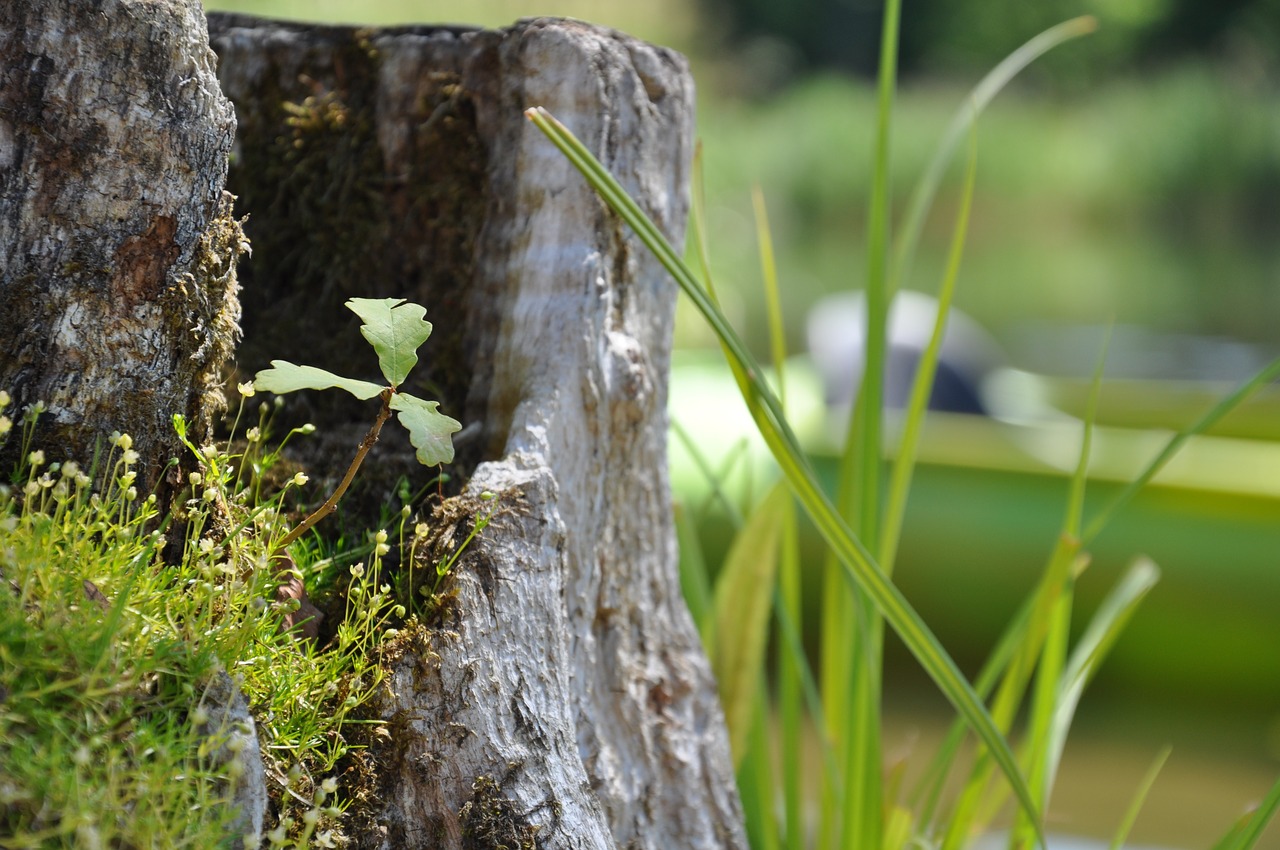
(1034, 673)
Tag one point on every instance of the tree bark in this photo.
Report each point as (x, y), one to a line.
(562, 698)
(117, 243)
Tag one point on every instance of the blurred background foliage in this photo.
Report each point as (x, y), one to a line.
(1132, 176)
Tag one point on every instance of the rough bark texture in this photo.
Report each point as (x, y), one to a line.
(561, 699)
(117, 243)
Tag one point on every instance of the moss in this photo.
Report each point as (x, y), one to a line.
(208, 312)
(490, 821)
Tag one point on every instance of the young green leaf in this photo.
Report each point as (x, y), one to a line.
(286, 377)
(429, 429)
(395, 329)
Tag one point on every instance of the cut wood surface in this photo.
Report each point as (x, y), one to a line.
(562, 699)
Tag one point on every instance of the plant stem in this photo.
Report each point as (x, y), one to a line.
(331, 503)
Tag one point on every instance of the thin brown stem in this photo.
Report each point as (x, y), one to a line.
(331, 503)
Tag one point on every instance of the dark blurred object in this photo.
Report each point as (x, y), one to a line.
(973, 35)
(968, 356)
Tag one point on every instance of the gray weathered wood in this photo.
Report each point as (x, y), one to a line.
(563, 697)
(117, 243)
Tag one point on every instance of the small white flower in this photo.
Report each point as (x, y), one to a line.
(357, 570)
(300, 478)
(210, 494)
(130, 457)
(31, 488)
(131, 494)
(206, 545)
(421, 530)
(254, 434)
(36, 458)
(70, 469)
(329, 785)
(125, 442)
(246, 389)
(381, 536)
(46, 481)
(307, 429)
(6, 425)
(311, 817)
(4, 399)
(128, 478)
(195, 478)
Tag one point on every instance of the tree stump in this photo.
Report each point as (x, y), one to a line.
(563, 700)
(117, 243)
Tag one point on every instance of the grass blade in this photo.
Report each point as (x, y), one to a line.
(860, 481)
(1266, 375)
(1139, 797)
(695, 583)
(1244, 835)
(1098, 638)
(860, 568)
(773, 304)
(981, 96)
(922, 384)
(743, 599)
(755, 780)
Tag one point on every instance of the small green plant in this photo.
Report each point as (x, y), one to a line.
(395, 328)
(113, 619)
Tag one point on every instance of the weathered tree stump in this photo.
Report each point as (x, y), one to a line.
(563, 700)
(117, 243)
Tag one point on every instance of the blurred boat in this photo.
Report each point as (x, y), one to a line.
(988, 499)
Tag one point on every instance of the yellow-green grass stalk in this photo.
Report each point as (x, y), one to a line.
(852, 639)
(791, 664)
(1246, 832)
(1139, 798)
